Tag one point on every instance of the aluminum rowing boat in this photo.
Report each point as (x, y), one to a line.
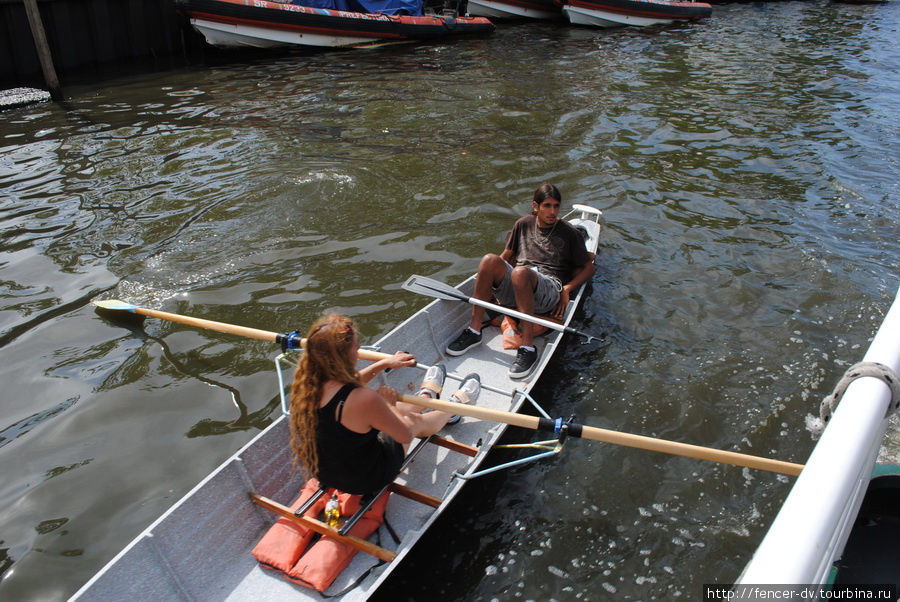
(201, 547)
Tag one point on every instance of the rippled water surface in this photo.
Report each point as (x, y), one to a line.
(748, 170)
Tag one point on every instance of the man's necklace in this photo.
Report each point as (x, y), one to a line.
(539, 234)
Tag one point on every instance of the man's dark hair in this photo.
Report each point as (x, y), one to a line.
(546, 191)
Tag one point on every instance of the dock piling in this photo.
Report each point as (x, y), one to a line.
(43, 48)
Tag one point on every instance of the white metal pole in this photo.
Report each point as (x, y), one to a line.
(813, 525)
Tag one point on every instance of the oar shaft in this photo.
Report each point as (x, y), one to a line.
(690, 451)
(243, 331)
(522, 316)
(474, 411)
(435, 288)
(608, 436)
(254, 333)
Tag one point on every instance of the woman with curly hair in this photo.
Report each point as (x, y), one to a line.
(348, 436)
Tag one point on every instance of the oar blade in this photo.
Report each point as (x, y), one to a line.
(433, 288)
(115, 305)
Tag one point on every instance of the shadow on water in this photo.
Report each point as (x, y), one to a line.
(189, 366)
(257, 420)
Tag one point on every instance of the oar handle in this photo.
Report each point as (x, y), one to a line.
(609, 436)
(474, 411)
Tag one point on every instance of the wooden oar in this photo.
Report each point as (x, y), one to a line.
(290, 340)
(542, 424)
(439, 290)
(608, 436)
(287, 341)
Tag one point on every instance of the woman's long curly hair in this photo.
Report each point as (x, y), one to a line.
(327, 357)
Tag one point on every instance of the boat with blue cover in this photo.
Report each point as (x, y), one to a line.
(332, 23)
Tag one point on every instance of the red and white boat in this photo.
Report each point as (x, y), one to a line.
(596, 13)
(264, 23)
(615, 13)
(515, 9)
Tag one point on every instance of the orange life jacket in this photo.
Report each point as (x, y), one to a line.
(509, 328)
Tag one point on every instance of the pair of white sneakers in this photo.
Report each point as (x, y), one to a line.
(433, 384)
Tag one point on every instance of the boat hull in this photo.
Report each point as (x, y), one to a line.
(515, 9)
(817, 517)
(615, 13)
(263, 24)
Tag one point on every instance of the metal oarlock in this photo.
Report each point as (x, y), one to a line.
(554, 446)
(534, 403)
(280, 362)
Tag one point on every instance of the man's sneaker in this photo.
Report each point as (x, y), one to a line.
(467, 393)
(464, 342)
(526, 360)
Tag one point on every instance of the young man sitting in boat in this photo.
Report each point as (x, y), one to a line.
(544, 261)
(348, 436)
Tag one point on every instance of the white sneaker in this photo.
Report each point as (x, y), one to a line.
(433, 383)
(467, 393)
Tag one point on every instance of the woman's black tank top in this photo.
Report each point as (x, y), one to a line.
(349, 461)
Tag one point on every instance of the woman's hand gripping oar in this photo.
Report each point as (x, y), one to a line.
(608, 436)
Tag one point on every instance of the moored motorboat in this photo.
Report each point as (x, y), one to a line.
(515, 9)
(201, 547)
(333, 23)
(615, 13)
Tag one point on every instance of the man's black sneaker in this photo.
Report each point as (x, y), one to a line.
(525, 362)
(464, 342)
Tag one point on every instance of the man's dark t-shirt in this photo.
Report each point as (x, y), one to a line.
(556, 251)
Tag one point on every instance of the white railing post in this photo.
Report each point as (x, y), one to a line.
(813, 525)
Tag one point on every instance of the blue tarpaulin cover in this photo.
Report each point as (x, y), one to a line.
(386, 7)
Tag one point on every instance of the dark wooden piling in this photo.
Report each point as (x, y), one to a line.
(42, 48)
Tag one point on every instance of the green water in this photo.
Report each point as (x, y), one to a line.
(748, 173)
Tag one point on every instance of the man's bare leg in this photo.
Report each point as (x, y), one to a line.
(491, 272)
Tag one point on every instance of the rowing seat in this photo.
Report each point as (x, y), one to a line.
(286, 546)
(289, 546)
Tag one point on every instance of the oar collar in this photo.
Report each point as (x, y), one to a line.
(290, 341)
(561, 429)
